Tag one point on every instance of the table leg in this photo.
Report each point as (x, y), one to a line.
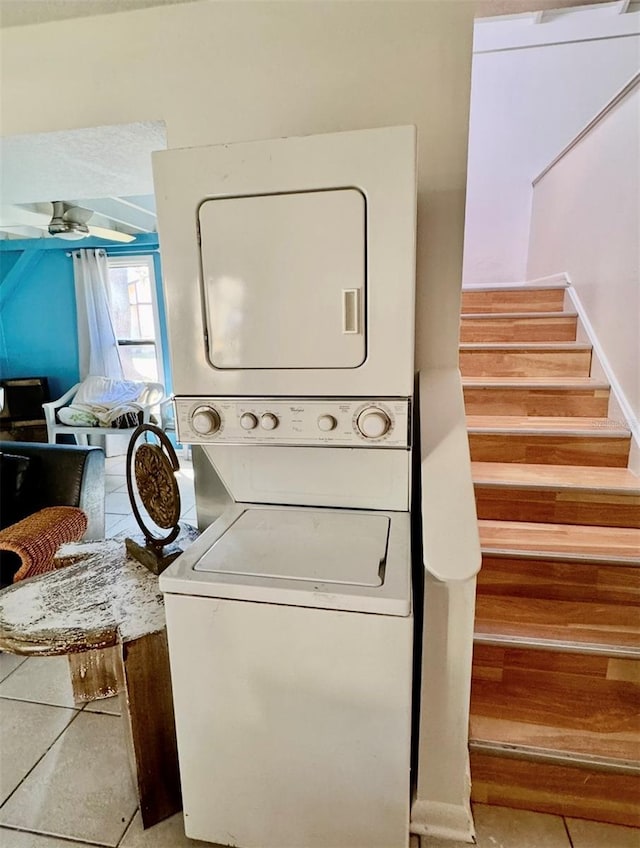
(148, 709)
(96, 673)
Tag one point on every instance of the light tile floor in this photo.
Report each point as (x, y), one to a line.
(64, 774)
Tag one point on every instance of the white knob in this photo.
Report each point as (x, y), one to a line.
(269, 421)
(326, 423)
(248, 421)
(373, 423)
(205, 420)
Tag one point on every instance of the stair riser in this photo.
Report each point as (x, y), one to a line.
(558, 506)
(551, 580)
(549, 450)
(610, 626)
(582, 703)
(560, 790)
(525, 363)
(545, 402)
(515, 300)
(494, 329)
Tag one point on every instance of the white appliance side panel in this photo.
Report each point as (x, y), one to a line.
(345, 477)
(293, 724)
(381, 164)
(284, 280)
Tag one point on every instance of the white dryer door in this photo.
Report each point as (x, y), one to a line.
(284, 280)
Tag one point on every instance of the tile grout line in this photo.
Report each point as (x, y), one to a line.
(40, 703)
(39, 760)
(13, 670)
(568, 832)
(68, 839)
(127, 828)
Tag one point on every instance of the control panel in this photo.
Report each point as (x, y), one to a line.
(293, 421)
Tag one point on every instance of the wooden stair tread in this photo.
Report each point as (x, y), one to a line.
(556, 476)
(540, 425)
(507, 316)
(593, 626)
(602, 544)
(534, 383)
(621, 746)
(526, 346)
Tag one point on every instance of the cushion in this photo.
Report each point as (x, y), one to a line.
(76, 417)
(14, 488)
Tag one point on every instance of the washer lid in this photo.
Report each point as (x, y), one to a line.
(329, 546)
(335, 559)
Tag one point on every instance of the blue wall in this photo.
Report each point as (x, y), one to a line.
(38, 334)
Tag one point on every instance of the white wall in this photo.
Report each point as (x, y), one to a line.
(228, 71)
(586, 221)
(526, 105)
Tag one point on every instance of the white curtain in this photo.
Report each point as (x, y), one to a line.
(97, 343)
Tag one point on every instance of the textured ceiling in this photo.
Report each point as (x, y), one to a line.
(107, 169)
(24, 12)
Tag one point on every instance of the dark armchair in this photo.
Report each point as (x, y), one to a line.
(56, 475)
(34, 476)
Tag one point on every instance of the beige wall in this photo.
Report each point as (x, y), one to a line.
(227, 71)
(586, 221)
(218, 72)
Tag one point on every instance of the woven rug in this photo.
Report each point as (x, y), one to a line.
(37, 538)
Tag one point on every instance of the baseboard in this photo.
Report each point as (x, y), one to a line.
(619, 406)
(443, 821)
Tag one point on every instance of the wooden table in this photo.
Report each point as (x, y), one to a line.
(106, 613)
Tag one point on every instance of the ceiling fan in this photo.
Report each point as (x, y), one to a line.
(70, 222)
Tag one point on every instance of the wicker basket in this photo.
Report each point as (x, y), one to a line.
(37, 538)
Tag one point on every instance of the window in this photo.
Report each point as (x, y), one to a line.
(134, 311)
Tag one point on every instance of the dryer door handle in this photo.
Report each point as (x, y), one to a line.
(350, 311)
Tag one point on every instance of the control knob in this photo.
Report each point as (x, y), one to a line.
(205, 420)
(269, 421)
(248, 421)
(326, 423)
(373, 423)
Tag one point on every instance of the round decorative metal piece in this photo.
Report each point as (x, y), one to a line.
(157, 485)
(153, 466)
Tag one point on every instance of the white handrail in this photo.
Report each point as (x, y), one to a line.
(620, 95)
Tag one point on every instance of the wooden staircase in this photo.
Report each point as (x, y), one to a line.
(555, 698)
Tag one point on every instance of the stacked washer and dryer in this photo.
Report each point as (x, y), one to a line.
(289, 273)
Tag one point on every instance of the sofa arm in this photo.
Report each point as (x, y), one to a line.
(67, 475)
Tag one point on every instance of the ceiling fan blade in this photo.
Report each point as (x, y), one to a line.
(112, 235)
